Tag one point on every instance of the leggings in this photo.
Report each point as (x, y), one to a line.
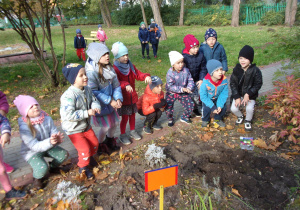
(125, 120)
(109, 131)
(3, 175)
(145, 46)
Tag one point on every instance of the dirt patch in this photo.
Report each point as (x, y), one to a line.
(15, 48)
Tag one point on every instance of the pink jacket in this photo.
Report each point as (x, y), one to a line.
(101, 37)
(3, 102)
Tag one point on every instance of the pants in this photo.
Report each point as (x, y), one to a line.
(40, 166)
(155, 48)
(206, 111)
(152, 118)
(3, 175)
(124, 122)
(102, 42)
(249, 110)
(86, 144)
(109, 131)
(196, 99)
(184, 99)
(145, 45)
(80, 52)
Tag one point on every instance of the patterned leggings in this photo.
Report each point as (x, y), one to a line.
(185, 100)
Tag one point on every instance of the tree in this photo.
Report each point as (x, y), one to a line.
(24, 15)
(290, 12)
(105, 13)
(62, 24)
(235, 13)
(181, 13)
(158, 19)
(144, 15)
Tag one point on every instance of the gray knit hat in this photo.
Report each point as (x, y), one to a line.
(96, 50)
(213, 65)
(155, 81)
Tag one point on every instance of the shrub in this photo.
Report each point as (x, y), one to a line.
(209, 19)
(273, 18)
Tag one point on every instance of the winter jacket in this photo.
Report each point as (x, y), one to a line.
(3, 102)
(196, 64)
(156, 26)
(210, 91)
(74, 107)
(218, 53)
(103, 91)
(41, 142)
(101, 37)
(130, 98)
(242, 82)
(153, 35)
(143, 35)
(4, 125)
(79, 43)
(177, 80)
(148, 99)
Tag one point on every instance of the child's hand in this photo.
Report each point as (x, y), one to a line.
(148, 80)
(119, 103)
(186, 90)
(143, 42)
(97, 110)
(199, 83)
(5, 138)
(238, 102)
(3, 113)
(129, 89)
(91, 112)
(156, 37)
(59, 137)
(219, 110)
(114, 104)
(53, 139)
(245, 99)
(216, 111)
(146, 42)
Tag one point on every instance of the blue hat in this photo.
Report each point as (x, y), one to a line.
(78, 31)
(155, 81)
(119, 49)
(210, 33)
(99, 26)
(213, 65)
(70, 71)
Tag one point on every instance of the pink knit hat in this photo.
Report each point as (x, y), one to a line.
(24, 103)
(190, 41)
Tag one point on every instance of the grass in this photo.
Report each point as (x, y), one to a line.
(26, 78)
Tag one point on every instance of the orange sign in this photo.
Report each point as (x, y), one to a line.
(166, 177)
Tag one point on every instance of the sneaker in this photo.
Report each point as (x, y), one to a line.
(155, 56)
(220, 123)
(147, 130)
(204, 124)
(143, 57)
(87, 172)
(239, 120)
(15, 194)
(248, 126)
(133, 134)
(124, 139)
(188, 121)
(112, 143)
(157, 127)
(197, 113)
(170, 123)
(148, 57)
(9, 169)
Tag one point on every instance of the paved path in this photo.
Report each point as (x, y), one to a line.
(23, 173)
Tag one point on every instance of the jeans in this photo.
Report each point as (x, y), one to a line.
(145, 46)
(206, 111)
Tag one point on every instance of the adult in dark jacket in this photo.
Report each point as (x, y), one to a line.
(154, 36)
(144, 39)
(245, 82)
(79, 44)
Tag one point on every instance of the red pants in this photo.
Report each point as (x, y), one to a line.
(80, 52)
(124, 122)
(86, 144)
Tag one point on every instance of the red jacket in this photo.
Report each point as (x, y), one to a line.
(148, 99)
(130, 98)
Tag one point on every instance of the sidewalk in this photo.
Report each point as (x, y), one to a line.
(23, 173)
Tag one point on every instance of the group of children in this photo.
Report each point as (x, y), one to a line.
(101, 92)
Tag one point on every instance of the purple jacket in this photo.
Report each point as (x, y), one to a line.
(4, 125)
(177, 80)
(3, 102)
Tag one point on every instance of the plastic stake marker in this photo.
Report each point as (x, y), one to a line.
(161, 198)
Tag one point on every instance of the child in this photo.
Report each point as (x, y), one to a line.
(101, 35)
(144, 39)
(179, 85)
(105, 85)
(212, 49)
(195, 61)
(245, 82)
(79, 44)
(214, 93)
(154, 36)
(40, 138)
(77, 105)
(10, 192)
(127, 74)
(153, 21)
(151, 104)
(4, 107)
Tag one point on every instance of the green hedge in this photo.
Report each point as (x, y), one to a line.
(217, 19)
(273, 18)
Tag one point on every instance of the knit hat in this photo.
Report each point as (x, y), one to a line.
(99, 26)
(96, 50)
(142, 23)
(152, 25)
(119, 49)
(210, 33)
(78, 31)
(213, 65)
(24, 103)
(174, 57)
(190, 41)
(152, 20)
(70, 71)
(155, 81)
(247, 52)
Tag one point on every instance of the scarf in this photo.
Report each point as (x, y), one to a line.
(214, 83)
(124, 67)
(37, 120)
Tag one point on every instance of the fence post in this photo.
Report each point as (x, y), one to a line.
(247, 15)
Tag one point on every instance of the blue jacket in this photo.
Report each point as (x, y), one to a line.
(209, 93)
(79, 43)
(196, 64)
(153, 35)
(159, 28)
(143, 35)
(218, 53)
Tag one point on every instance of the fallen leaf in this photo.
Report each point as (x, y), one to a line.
(121, 153)
(296, 147)
(60, 205)
(95, 171)
(162, 138)
(66, 162)
(19, 76)
(16, 80)
(122, 164)
(172, 208)
(159, 61)
(54, 110)
(241, 130)
(287, 157)
(260, 143)
(229, 144)
(222, 128)
(236, 192)
(105, 162)
(275, 137)
(49, 203)
(42, 96)
(46, 90)
(215, 125)
(89, 183)
(213, 129)
(205, 129)
(113, 154)
(102, 175)
(2, 192)
(12, 105)
(6, 92)
(34, 206)
(149, 61)
(98, 208)
(163, 144)
(229, 127)
(115, 177)
(293, 153)
(178, 141)
(155, 193)
(63, 173)
(130, 180)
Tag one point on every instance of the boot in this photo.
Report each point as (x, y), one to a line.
(102, 148)
(93, 162)
(37, 183)
(112, 144)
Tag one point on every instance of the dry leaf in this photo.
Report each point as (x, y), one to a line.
(90, 189)
(105, 162)
(6, 92)
(66, 162)
(178, 141)
(229, 145)
(63, 173)
(172, 208)
(162, 138)
(121, 153)
(42, 96)
(122, 164)
(215, 125)
(12, 105)
(275, 137)
(95, 171)
(260, 143)
(16, 80)
(102, 175)
(163, 144)
(159, 61)
(288, 157)
(155, 193)
(34, 206)
(131, 180)
(98, 208)
(205, 129)
(222, 128)
(149, 61)
(60, 205)
(293, 153)
(241, 130)
(236, 192)
(115, 177)
(19, 76)
(213, 129)
(54, 110)
(113, 154)
(296, 147)
(229, 127)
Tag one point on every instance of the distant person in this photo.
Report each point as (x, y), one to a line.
(212, 49)
(144, 39)
(79, 45)
(154, 36)
(152, 104)
(153, 21)
(101, 35)
(245, 82)
(214, 93)
(40, 139)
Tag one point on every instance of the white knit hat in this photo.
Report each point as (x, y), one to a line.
(174, 57)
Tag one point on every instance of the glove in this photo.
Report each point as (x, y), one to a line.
(162, 103)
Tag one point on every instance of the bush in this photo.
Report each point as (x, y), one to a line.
(273, 18)
(209, 19)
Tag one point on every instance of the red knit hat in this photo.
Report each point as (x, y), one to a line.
(190, 41)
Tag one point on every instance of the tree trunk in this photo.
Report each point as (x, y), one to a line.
(144, 15)
(103, 13)
(293, 13)
(235, 13)
(109, 24)
(288, 12)
(181, 13)
(157, 17)
(64, 36)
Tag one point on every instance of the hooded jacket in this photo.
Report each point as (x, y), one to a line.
(101, 37)
(143, 35)
(218, 53)
(153, 35)
(3, 102)
(177, 80)
(79, 42)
